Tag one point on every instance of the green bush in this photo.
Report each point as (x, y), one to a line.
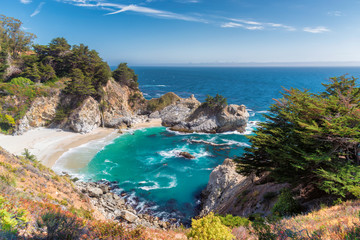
(215, 102)
(209, 228)
(286, 205)
(28, 155)
(11, 219)
(60, 226)
(262, 229)
(158, 104)
(234, 221)
(21, 81)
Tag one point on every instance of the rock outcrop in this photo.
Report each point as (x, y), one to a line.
(86, 117)
(41, 112)
(189, 115)
(228, 192)
(115, 207)
(121, 105)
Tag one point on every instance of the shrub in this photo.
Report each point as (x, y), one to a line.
(234, 221)
(286, 205)
(7, 123)
(215, 102)
(113, 230)
(262, 229)
(158, 104)
(28, 155)
(8, 179)
(269, 195)
(21, 81)
(209, 228)
(60, 226)
(12, 219)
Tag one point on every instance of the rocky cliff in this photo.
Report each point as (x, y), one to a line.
(228, 192)
(41, 112)
(86, 117)
(119, 106)
(189, 115)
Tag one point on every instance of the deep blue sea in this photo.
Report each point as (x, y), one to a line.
(145, 163)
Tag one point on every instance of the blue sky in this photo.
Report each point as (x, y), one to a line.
(163, 32)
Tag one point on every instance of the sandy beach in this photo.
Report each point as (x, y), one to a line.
(49, 144)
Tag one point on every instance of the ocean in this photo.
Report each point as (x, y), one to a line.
(144, 162)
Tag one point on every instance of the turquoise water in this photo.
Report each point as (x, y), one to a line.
(144, 163)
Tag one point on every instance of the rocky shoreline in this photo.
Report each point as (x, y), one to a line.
(123, 107)
(115, 207)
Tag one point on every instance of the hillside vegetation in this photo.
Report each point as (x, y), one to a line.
(30, 70)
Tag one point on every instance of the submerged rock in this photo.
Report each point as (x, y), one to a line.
(186, 155)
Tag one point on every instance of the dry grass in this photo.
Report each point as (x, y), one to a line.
(328, 223)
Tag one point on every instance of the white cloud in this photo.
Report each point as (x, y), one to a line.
(231, 25)
(25, 1)
(318, 29)
(335, 13)
(254, 25)
(37, 10)
(117, 8)
(245, 21)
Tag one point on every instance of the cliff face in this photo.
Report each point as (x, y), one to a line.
(117, 103)
(228, 192)
(86, 117)
(41, 112)
(119, 106)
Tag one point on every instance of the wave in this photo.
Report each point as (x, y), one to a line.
(155, 185)
(148, 188)
(83, 154)
(176, 152)
(233, 142)
(188, 134)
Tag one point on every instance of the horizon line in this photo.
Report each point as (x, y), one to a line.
(254, 64)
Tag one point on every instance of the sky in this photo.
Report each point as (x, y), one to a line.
(199, 32)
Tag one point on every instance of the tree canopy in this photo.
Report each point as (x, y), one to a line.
(311, 137)
(125, 75)
(217, 102)
(12, 37)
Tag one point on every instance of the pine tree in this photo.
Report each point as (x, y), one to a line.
(311, 137)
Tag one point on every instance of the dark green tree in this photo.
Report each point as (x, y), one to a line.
(80, 85)
(32, 72)
(126, 76)
(3, 62)
(217, 102)
(13, 37)
(311, 137)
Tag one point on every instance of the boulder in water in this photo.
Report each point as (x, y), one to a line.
(186, 155)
